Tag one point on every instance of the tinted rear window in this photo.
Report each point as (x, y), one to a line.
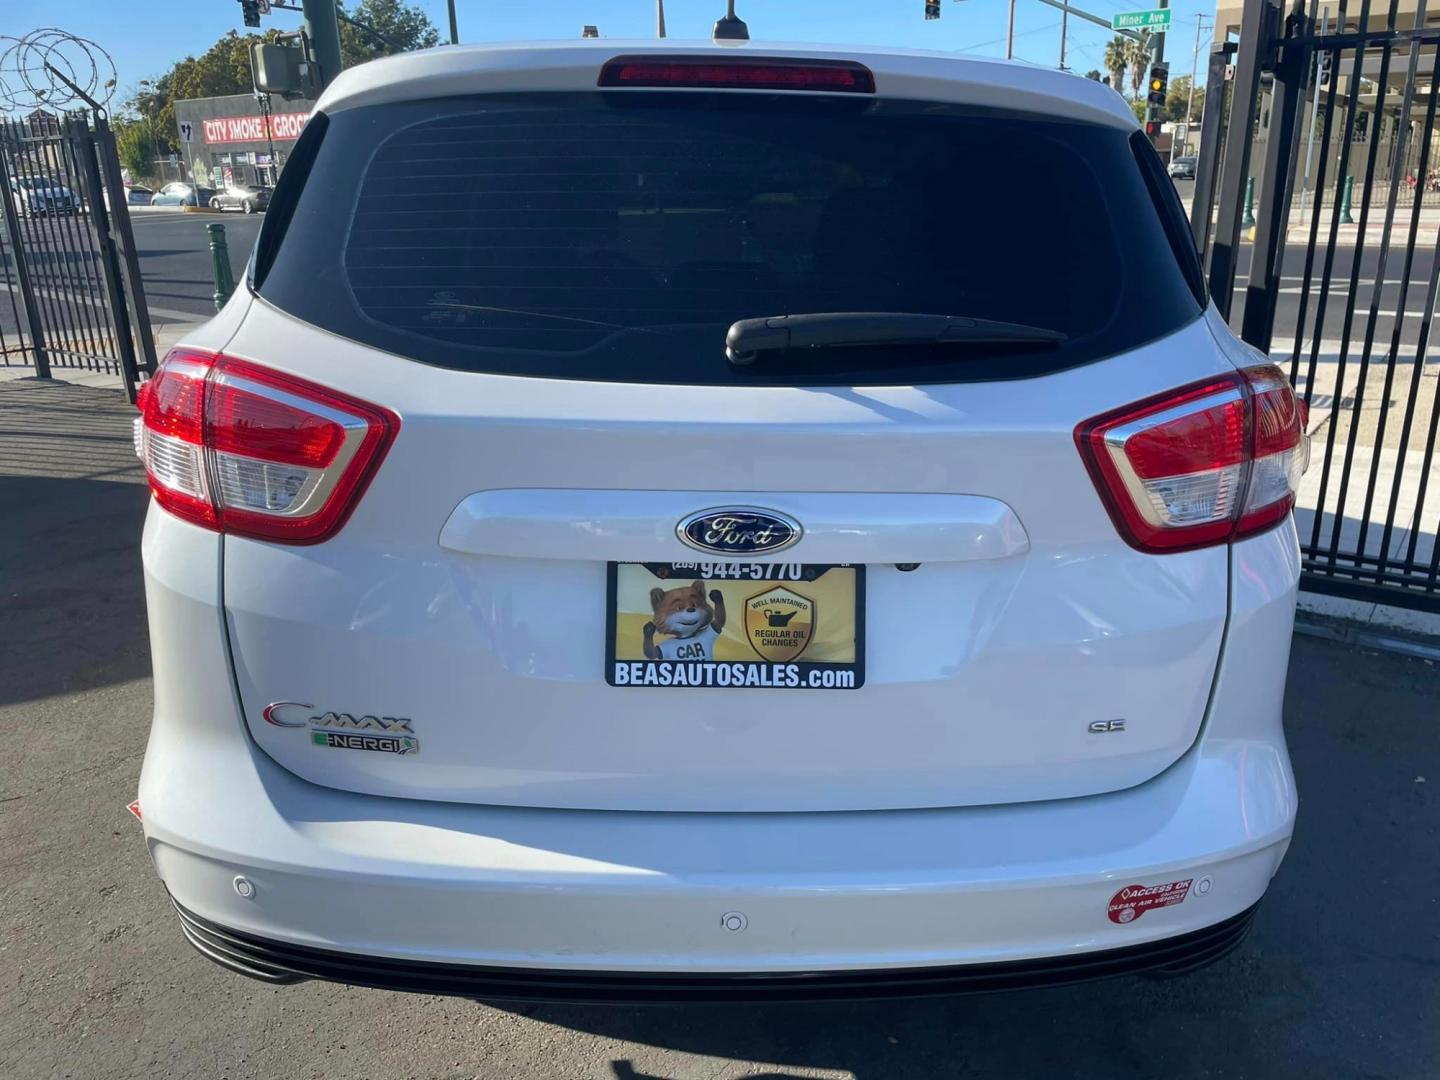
(618, 236)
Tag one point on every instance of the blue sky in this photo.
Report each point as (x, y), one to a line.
(145, 39)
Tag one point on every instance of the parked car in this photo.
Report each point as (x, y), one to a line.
(702, 557)
(39, 195)
(1183, 168)
(180, 193)
(247, 197)
(135, 195)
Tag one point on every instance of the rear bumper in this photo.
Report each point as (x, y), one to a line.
(280, 963)
(793, 894)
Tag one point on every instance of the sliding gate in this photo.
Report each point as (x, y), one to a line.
(70, 290)
(1331, 116)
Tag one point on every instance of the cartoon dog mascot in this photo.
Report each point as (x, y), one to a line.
(693, 625)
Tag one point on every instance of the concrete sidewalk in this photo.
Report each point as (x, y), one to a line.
(1301, 222)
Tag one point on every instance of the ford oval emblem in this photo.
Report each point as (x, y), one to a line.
(739, 530)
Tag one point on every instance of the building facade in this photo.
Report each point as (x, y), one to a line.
(1380, 112)
(241, 139)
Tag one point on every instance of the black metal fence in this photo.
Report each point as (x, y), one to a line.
(1342, 291)
(70, 289)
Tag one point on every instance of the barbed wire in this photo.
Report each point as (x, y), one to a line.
(35, 68)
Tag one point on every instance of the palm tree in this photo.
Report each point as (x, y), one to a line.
(1116, 61)
(1137, 54)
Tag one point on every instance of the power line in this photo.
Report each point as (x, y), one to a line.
(1001, 41)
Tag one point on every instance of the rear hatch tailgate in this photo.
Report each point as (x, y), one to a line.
(467, 595)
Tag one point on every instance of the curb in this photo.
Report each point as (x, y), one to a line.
(1374, 623)
(1367, 635)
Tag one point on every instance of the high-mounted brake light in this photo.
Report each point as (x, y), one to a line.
(739, 73)
(236, 447)
(1204, 464)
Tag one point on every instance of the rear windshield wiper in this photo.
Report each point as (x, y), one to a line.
(748, 338)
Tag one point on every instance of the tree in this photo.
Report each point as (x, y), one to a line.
(401, 25)
(1179, 97)
(1094, 75)
(145, 106)
(1137, 55)
(1117, 59)
(135, 149)
(224, 68)
(221, 70)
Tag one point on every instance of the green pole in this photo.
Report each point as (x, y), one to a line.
(220, 259)
(1248, 218)
(1345, 218)
(323, 29)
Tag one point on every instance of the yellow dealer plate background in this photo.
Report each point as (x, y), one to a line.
(831, 597)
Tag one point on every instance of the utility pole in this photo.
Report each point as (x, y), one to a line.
(323, 30)
(659, 18)
(1066, 11)
(1194, 74)
(454, 29)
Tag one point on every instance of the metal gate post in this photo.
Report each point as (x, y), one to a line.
(84, 139)
(1258, 24)
(1282, 150)
(1212, 141)
(124, 237)
(22, 272)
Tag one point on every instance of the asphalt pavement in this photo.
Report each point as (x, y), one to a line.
(173, 250)
(1340, 978)
(174, 253)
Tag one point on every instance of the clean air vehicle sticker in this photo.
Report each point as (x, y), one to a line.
(1132, 901)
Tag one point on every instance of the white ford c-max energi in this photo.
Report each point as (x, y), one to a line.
(667, 521)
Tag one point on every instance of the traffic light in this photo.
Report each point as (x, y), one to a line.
(1327, 63)
(1159, 83)
(932, 9)
(1152, 128)
(250, 9)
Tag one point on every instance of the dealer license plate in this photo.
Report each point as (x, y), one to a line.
(786, 626)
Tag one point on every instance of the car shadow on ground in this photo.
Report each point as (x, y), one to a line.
(74, 596)
(1127, 1027)
(72, 504)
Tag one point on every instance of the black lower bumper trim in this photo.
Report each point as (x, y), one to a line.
(280, 962)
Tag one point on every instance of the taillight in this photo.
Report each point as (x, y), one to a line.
(237, 447)
(739, 73)
(170, 436)
(1204, 464)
